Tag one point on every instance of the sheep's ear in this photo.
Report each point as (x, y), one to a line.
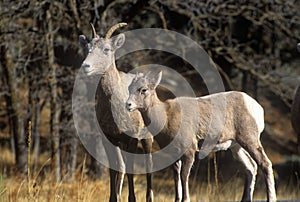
(83, 40)
(156, 80)
(118, 41)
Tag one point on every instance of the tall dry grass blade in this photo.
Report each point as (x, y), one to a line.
(83, 169)
(216, 175)
(208, 177)
(3, 189)
(19, 189)
(29, 160)
(81, 178)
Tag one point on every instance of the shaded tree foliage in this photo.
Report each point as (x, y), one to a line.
(250, 41)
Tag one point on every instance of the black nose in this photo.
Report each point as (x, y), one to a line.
(85, 67)
(128, 104)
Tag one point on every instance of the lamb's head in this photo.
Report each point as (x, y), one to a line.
(101, 51)
(142, 91)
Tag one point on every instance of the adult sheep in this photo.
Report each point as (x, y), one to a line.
(118, 125)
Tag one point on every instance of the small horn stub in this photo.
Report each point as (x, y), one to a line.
(95, 35)
(114, 28)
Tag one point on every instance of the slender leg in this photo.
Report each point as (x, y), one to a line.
(251, 170)
(113, 193)
(149, 194)
(255, 149)
(187, 162)
(266, 165)
(116, 177)
(131, 196)
(147, 146)
(132, 148)
(177, 180)
(119, 183)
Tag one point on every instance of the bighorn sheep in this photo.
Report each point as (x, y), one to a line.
(243, 124)
(115, 121)
(296, 110)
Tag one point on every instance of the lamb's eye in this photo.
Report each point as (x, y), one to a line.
(143, 91)
(89, 47)
(106, 50)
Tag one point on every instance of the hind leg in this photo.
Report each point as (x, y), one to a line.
(251, 170)
(266, 165)
(187, 163)
(255, 149)
(147, 146)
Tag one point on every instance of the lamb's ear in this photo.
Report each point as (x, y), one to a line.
(147, 75)
(298, 47)
(156, 80)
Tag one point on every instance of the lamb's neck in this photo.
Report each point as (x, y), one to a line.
(155, 113)
(155, 102)
(110, 80)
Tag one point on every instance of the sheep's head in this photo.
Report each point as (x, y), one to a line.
(142, 91)
(101, 51)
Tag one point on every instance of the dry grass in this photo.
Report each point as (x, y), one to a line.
(43, 187)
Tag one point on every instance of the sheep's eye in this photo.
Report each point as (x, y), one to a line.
(89, 47)
(106, 50)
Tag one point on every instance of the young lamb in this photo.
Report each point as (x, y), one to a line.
(192, 120)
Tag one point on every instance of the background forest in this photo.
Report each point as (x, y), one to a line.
(253, 44)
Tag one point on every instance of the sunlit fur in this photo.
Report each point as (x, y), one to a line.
(119, 126)
(235, 118)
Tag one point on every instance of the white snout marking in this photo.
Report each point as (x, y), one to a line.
(131, 109)
(130, 106)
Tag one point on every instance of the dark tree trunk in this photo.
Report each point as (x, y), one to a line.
(296, 115)
(15, 111)
(34, 110)
(36, 132)
(71, 157)
(68, 135)
(54, 106)
(69, 143)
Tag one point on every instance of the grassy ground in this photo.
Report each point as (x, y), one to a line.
(42, 187)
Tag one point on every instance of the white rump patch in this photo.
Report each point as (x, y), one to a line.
(255, 110)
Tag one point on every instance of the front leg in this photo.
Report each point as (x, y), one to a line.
(177, 180)
(147, 146)
(131, 147)
(116, 181)
(117, 169)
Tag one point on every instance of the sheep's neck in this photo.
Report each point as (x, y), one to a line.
(110, 80)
